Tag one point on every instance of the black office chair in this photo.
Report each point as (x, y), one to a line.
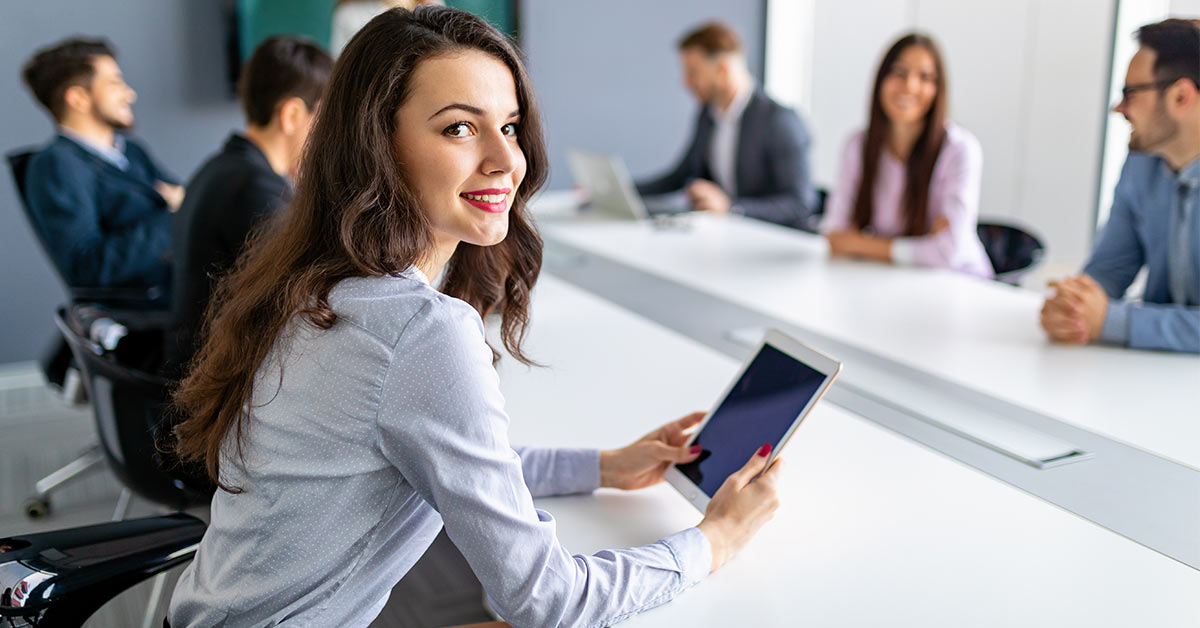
(1013, 251)
(148, 304)
(58, 579)
(131, 408)
(66, 575)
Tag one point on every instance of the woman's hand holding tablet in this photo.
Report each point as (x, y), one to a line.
(644, 462)
(762, 407)
(764, 404)
(741, 506)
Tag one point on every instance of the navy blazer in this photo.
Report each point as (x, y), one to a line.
(774, 182)
(103, 226)
(228, 197)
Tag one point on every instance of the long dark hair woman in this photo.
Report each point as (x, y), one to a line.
(908, 189)
(348, 408)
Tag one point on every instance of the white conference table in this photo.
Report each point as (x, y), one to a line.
(874, 529)
(975, 333)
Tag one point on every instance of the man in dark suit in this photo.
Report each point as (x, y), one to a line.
(247, 182)
(749, 154)
(97, 197)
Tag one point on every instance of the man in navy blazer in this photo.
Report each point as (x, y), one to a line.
(1155, 217)
(100, 202)
(749, 154)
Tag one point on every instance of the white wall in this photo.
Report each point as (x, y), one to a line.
(789, 43)
(1028, 77)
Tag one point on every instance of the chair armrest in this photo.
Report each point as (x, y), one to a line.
(70, 570)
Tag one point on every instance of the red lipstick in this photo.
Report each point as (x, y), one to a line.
(492, 208)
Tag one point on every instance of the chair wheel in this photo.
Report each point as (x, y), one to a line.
(37, 507)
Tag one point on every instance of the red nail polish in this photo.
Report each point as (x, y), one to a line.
(764, 450)
(695, 449)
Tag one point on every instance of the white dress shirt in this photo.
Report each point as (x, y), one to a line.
(726, 132)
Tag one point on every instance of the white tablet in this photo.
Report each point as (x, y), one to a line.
(772, 393)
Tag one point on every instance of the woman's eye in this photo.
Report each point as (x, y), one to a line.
(458, 129)
(509, 129)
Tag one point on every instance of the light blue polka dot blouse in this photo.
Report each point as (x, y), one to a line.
(363, 441)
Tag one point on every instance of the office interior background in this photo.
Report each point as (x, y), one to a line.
(1034, 80)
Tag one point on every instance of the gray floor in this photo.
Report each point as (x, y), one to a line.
(39, 434)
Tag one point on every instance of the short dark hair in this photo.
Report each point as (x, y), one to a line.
(282, 67)
(1176, 43)
(53, 70)
(712, 38)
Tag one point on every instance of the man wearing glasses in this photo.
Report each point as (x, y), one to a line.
(1154, 220)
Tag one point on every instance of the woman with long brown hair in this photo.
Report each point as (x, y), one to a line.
(348, 409)
(908, 189)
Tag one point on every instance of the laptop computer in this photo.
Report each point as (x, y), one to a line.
(608, 184)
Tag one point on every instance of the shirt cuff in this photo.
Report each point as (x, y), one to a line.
(693, 554)
(577, 469)
(904, 252)
(1116, 324)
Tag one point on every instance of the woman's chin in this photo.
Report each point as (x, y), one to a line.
(907, 115)
(489, 237)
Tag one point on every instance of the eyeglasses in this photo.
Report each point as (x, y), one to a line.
(1129, 90)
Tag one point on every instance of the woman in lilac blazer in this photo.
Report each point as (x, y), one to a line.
(908, 190)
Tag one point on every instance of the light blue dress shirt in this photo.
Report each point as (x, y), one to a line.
(114, 155)
(377, 432)
(1153, 223)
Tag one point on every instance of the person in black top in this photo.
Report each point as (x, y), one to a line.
(242, 186)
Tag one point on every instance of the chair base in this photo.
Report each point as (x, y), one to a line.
(38, 504)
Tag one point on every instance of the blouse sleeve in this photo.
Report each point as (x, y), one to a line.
(559, 471)
(953, 195)
(839, 206)
(442, 424)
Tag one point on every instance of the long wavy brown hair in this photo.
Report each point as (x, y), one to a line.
(919, 169)
(354, 215)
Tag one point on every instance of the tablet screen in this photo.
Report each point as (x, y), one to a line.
(759, 409)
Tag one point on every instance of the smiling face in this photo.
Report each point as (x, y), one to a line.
(910, 87)
(1150, 126)
(111, 98)
(456, 140)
